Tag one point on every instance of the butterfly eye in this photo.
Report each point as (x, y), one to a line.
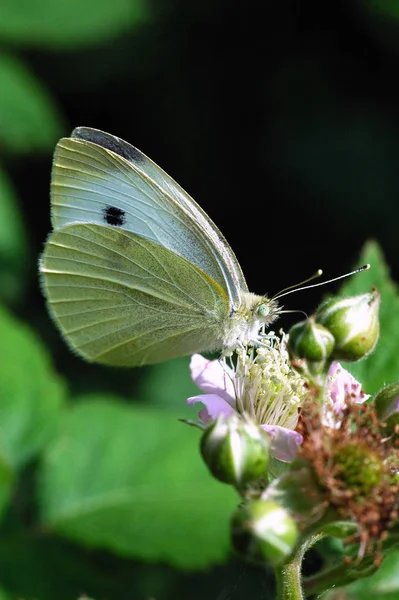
(263, 310)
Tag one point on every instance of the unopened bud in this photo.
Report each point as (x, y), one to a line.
(263, 531)
(354, 324)
(236, 451)
(311, 341)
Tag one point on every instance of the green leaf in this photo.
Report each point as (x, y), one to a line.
(71, 23)
(29, 120)
(3, 595)
(168, 385)
(6, 485)
(31, 395)
(13, 244)
(132, 481)
(382, 366)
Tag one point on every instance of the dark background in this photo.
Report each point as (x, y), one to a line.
(281, 119)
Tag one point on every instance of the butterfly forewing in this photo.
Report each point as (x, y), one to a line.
(122, 299)
(97, 178)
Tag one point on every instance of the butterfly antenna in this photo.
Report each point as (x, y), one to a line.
(287, 312)
(284, 291)
(294, 288)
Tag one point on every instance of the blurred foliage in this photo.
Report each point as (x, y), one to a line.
(137, 486)
(13, 244)
(67, 23)
(29, 120)
(282, 121)
(31, 395)
(389, 8)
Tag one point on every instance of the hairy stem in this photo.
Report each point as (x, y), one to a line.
(289, 575)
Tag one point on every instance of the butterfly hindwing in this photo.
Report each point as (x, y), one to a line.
(122, 299)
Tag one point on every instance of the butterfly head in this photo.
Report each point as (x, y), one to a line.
(251, 315)
(263, 311)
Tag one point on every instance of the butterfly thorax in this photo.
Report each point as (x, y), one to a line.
(245, 322)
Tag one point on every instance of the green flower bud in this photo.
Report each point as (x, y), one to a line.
(354, 324)
(236, 451)
(311, 341)
(263, 531)
(387, 406)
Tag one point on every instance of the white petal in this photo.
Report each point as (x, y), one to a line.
(213, 378)
(214, 407)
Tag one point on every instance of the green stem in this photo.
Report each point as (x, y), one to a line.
(289, 581)
(289, 575)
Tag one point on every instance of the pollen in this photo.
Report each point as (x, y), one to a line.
(267, 388)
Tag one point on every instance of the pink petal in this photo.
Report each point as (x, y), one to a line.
(283, 442)
(214, 406)
(211, 377)
(342, 388)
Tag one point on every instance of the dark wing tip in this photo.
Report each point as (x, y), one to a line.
(109, 142)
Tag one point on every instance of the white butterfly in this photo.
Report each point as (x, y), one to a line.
(135, 272)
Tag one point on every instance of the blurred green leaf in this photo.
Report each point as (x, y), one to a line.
(169, 384)
(4, 596)
(36, 566)
(383, 585)
(29, 119)
(13, 244)
(388, 8)
(382, 366)
(68, 23)
(6, 485)
(132, 481)
(31, 395)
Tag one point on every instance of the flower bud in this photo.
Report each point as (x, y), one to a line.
(263, 531)
(354, 324)
(236, 451)
(387, 406)
(311, 341)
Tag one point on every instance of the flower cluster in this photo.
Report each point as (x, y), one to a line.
(295, 433)
(263, 386)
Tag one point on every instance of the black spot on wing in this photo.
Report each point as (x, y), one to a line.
(110, 142)
(114, 216)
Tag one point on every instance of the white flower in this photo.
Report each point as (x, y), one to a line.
(341, 390)
(262, 385)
